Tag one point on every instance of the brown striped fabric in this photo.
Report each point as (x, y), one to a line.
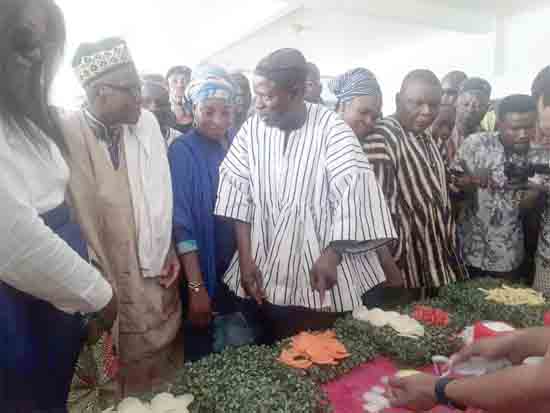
(411, 171)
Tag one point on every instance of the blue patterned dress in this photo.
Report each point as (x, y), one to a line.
(194, 163)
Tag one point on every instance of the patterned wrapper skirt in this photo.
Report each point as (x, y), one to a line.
(94, 386)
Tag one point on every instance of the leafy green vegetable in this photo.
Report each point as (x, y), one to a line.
(250, 379)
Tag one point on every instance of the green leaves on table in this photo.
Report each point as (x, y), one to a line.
(249, 379)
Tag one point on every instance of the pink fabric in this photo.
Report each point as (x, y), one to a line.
(346, 394)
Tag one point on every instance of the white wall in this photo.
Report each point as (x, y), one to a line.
(526, 43)
(167, 32)
(161, 33)
(337, 42)
(340, 41)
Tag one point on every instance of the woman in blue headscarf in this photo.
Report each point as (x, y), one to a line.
(205, 243)
(360, 106)
(359, 100)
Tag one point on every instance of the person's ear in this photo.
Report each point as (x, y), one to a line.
(397, 99)
(297, 91)
(341, 107)
(93, 93)
(294, 91)
(196, 113)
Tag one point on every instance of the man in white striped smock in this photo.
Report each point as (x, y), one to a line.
(308, 210)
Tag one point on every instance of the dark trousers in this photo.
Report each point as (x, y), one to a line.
(280, 322)
(39, 344)
(390, 298)
(512, 276)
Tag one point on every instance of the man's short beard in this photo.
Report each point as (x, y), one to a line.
(286, 121)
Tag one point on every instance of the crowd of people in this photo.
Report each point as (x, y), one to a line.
(179, 215)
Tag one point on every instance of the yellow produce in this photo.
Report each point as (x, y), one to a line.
(406, 373)
(514, 296)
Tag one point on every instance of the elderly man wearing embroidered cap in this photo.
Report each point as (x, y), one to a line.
(307, 208)
(121, 188)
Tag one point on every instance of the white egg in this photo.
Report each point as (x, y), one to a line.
(163, 402)
(377, 317)
(186, 399)
(372, 397)
(373, 408)
(360, 313)
(168, 403)
(407, 326)
(403, 324)
(132, 405)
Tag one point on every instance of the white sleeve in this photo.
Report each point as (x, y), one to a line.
(33, 259)
(234, 193)
(360, 214)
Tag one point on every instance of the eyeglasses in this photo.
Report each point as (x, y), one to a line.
(134, 91)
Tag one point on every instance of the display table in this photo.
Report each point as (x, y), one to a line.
(252, 379)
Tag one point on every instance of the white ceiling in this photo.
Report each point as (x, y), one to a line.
(467, 16)
(498, 6)
(495, 39)
(338, 34)
(401, 6)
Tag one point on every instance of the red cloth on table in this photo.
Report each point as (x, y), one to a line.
(346, 394)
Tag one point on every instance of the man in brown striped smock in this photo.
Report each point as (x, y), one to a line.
(411, 171)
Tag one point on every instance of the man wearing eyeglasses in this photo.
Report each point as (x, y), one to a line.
(450, 84)
(121, 189)
(471, 107)
(155, 98)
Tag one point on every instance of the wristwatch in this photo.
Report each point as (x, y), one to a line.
(195, 287)
(440, 395)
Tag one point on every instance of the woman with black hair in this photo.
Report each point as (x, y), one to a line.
(49, 295)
